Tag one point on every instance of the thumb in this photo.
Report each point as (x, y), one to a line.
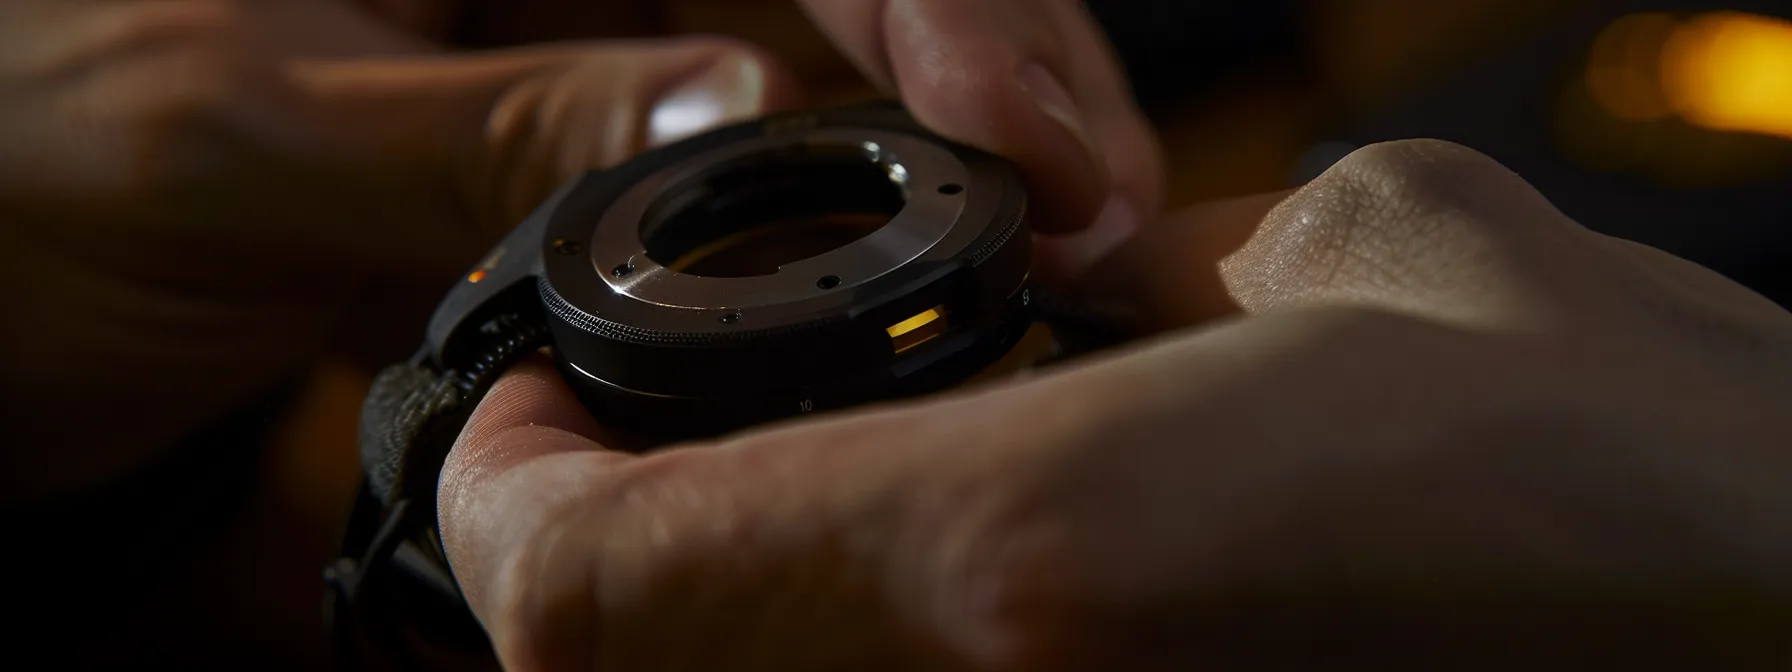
(446, 153)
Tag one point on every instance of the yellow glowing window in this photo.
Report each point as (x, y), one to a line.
(923, 327)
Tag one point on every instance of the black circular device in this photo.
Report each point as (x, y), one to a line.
(795, 264)
(809, 262)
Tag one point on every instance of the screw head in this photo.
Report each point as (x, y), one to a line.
(731, 317)
(622, 270)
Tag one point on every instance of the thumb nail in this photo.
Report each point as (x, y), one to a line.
(1050, 94)
(731, 90)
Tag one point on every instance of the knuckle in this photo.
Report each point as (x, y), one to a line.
(1407, 214)
(1411, 187)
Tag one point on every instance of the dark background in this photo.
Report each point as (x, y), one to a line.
(1249, 95)
(1728, 205)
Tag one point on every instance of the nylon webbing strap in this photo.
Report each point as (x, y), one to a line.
(404, 409)
(413, 413)
(409, 421)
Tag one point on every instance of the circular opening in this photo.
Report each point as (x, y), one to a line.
(950, 189)
(750, 216)
(828, 282)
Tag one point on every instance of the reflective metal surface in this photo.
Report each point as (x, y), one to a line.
(928, 216)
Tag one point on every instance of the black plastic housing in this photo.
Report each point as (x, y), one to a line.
(679, 356)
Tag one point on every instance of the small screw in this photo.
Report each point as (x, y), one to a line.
(564, 246)
(622, 270)
(828, 282)
(731, 317)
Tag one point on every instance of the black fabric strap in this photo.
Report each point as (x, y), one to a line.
(392, 584)
(405, 412)
(415, 411)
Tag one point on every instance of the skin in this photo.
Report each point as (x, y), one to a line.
(1409, 407)
(237, 188)
(292, 147)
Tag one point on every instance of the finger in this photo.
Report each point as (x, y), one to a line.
(526, 452)
(470, 144)
(1420, 227)
(1032, 80)
(1432, 229)
(574, 557)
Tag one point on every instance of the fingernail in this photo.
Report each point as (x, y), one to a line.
(1049, 93)
(729, 91)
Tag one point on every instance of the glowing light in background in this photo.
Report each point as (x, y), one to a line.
(1724, 71)
(1731, 72)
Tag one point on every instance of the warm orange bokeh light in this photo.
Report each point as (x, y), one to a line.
(1724, 71)
(476, 276)
(1731, 72)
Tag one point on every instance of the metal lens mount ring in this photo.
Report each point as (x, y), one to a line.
(913, 305)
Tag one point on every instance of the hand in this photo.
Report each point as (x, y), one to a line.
(196, 192)
(1031, 80)
(1410, 412)
(202, 195)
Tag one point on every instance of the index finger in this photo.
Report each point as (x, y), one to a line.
(1031, 80)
